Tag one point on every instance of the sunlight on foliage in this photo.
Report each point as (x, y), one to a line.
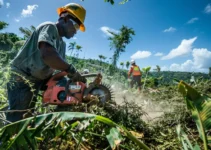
(200, 106)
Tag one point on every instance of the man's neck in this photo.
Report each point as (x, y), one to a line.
(59, 28)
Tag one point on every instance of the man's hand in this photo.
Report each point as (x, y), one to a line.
(77, 77)
(71, 70)
(74, 74)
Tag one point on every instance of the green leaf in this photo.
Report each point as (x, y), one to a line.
(183, 138)
(196, 147)
(163, 134)
(123, 2)
(114, 138)
(39, 127)
(19, 135)
(110, 1)
(209, 139)
(200, 106)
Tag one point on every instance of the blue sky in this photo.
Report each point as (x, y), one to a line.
(174, 34)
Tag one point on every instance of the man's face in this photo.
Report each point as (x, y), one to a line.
(70, 27)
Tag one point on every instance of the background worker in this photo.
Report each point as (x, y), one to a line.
(41, 54)
(136, 74)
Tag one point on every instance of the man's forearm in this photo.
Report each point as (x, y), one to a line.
(54, 61)
(51, 57)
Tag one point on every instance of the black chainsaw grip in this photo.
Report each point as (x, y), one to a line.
(67, 90)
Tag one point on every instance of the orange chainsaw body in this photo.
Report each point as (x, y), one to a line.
(56, 94)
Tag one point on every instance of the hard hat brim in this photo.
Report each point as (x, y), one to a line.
(61, 9)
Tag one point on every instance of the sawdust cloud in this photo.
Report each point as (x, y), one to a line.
(152, 109)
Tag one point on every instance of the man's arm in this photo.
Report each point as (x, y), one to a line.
(130, 71)
(51, 57)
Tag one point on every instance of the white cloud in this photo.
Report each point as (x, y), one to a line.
(106, 29)
(192, 20)
(74, 38)
(207, 9)
(175, 67)
(186, 66)
(28, 12)
(200, 63)
(164, 68)
(1, 3)
(141, 54)
(158, 54)
(184, 48)
(171, 29)
(7, 5)
(201, 58)
(17, 20)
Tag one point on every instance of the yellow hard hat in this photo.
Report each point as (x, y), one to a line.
(75, 10)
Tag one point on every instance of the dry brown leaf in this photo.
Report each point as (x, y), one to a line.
(137, 135)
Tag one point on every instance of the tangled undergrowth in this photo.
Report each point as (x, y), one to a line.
(157, 134)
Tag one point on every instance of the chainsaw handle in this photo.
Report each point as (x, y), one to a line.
(67, 90)
(89, 75)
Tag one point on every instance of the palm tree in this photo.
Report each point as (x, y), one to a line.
(78, 49)
(3, 25)
(118, 42)
(100, 56)
(27, 31)
(103, 58)
(122, 64)
(158, 68)
(9, 44)
(110, 59)
(127, 64)
(71, 47)
(7, 40)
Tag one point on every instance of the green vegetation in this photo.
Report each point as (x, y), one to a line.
(186, 124)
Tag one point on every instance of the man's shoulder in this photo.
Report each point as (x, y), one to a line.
(47, 23)
(131, 68)
(49, 28)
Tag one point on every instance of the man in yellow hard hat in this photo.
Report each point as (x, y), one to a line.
(41, 54)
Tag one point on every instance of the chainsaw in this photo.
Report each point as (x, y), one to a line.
(62, 91)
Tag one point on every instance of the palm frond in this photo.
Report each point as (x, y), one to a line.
(26, 133)
(200, 106)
